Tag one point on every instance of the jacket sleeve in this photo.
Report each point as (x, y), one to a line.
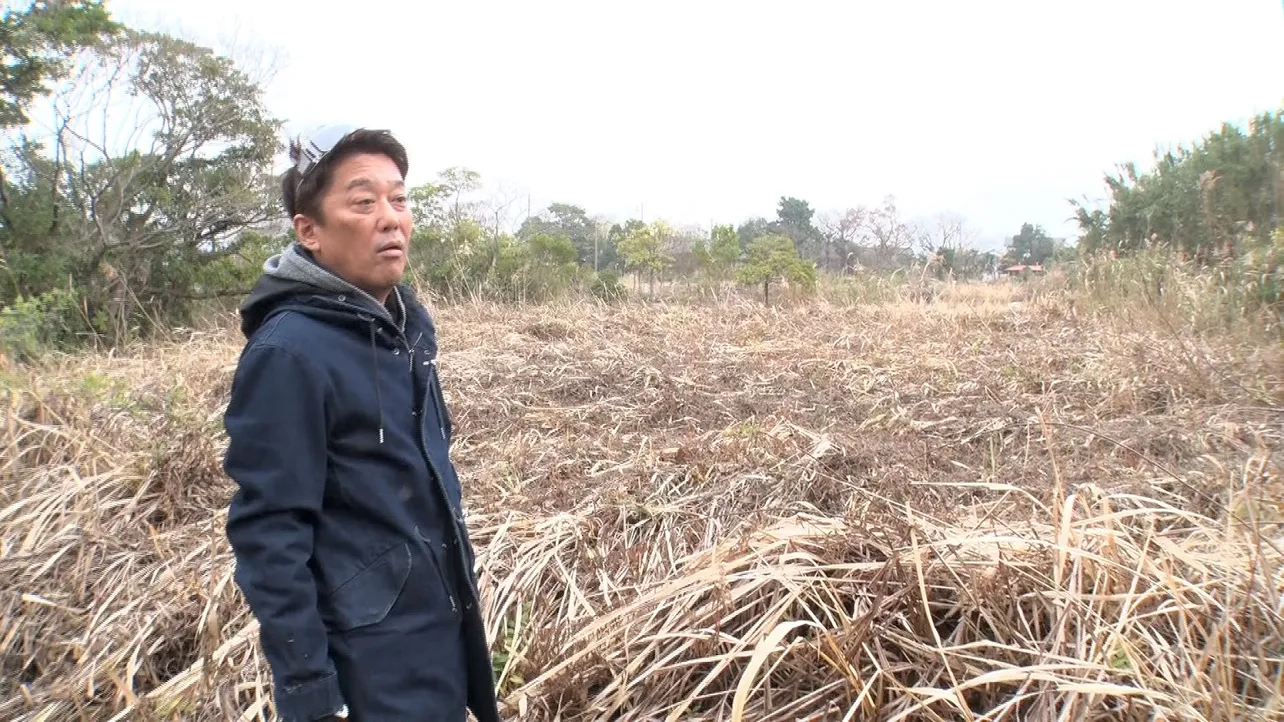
(276, 427)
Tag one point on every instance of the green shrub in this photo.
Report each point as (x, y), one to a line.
(607, 287)
(49, 321)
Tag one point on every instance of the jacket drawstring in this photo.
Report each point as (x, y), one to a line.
(374, 355)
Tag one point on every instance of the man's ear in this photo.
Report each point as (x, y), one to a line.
(305, 229)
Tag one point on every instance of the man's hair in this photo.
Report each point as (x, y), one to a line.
(305, 197)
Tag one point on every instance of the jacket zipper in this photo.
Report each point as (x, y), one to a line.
(436, 473)
(431, 397)
(441, 489)
(456, 521)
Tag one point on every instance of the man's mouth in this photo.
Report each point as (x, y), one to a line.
(391, 249)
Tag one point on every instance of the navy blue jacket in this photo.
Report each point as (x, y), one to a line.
(347, 525)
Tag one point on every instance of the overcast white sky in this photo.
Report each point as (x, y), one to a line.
(705, 111)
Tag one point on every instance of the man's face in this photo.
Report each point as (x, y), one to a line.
(367, 224)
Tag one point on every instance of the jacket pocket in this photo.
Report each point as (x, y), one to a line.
(370, 594)
(431, 552)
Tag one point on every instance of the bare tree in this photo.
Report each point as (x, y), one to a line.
(946, 232)
(887, 238)
(841, 232)
(950, 245)
(497, 211)
(500, 208)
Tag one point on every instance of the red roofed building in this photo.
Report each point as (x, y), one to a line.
(1020, 268)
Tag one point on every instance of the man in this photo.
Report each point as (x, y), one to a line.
(347, 525)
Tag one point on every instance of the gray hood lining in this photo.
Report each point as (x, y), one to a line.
(296, 264)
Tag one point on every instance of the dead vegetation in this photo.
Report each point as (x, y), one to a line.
(966, 510)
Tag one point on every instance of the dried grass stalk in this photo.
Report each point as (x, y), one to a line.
(968, 511)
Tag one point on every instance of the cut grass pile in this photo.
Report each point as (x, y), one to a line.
(966, 510)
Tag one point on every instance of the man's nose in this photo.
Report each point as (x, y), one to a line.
(388, 218)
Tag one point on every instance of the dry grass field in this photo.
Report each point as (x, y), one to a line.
(972, 509)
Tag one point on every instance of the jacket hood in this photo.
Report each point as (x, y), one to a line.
(294, 277)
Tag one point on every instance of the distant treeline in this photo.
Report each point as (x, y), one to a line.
(111, 235)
